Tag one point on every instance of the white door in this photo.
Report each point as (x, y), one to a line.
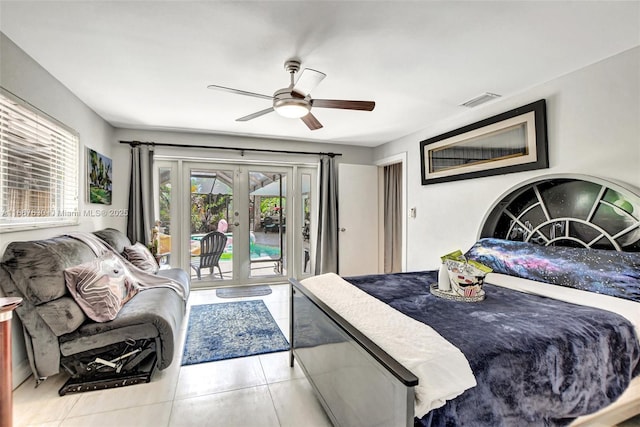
(249, 205)
(357, 219)
(252, 201)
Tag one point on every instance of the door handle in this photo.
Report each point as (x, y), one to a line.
(236, 223)
(342, 229)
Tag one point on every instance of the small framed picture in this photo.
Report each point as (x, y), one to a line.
(99, 172)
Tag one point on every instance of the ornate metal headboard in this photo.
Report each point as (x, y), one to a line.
(567, 210)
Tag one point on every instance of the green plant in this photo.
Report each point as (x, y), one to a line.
(269, 206)
(153, 247)
(153, 243)
(165, 205)
(207, 210)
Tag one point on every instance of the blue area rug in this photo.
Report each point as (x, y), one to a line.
(229, 330)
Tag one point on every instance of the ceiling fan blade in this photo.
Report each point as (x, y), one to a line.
(343, 104)
(308, 81)
(311, 122)
(239, 92)
(254, 115)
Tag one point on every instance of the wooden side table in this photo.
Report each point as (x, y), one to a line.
(7, 305)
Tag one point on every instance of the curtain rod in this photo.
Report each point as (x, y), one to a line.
(218, 147)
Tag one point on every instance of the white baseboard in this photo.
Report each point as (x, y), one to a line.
(21, 371)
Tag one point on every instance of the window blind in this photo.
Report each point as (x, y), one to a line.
(38, 168)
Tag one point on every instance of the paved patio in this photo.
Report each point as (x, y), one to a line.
(267, 268)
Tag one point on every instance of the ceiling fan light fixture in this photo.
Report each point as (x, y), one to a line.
(294, 101)
(292, 108)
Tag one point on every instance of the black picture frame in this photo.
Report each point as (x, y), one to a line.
(517, 139)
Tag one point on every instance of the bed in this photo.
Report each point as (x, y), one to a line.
(554, 343)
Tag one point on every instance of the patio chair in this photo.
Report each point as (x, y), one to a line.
(211, 248)
(270, 225)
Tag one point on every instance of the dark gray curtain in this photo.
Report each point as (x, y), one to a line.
(327, 240)
(140, 219)
(393, 218)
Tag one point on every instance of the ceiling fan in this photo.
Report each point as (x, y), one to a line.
(295, 100)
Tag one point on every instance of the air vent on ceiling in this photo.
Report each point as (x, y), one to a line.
(485, 97)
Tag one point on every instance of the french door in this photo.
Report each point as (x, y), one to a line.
(261, 213)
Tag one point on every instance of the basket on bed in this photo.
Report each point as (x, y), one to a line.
(460, 279)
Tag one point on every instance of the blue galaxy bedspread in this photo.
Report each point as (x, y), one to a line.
(537, 361)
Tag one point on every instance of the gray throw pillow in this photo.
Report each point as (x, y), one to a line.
(141, 257)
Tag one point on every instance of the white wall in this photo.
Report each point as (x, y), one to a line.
(22, 76)
(593, 120)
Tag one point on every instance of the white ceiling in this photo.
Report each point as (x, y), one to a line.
(146, 64)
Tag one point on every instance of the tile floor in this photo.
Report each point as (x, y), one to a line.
(250, 391)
